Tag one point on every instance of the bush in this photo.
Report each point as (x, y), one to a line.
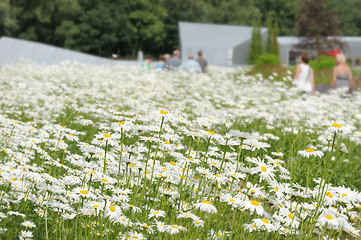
(357, 61)
(323, 62)
(267, 58)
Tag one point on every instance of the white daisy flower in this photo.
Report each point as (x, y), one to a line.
(252, 206)
(310, 152)
(156, 213)
(174, 229)
(206, 206)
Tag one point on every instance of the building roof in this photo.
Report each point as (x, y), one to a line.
(13, 50)
(293, 40)
(207, 35)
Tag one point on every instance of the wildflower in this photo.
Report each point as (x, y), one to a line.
(198, 223)
(25, 235)
(335, 127)
(174, 229)
(253, 205)
(28, 224)
(278, 154)
(265, 224)
(206, 206)
(310, 152)
(264, 170)
(156, 213)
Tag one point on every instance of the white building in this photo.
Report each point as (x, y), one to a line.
(229, 45)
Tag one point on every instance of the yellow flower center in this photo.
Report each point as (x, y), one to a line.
(344, 194)
(174, 226)
(166, 142)
(217, 175)
(254, 202)
(107, 135)
(264, 169)
(95, 206)
(198, 222)
(336, 125)
(84, 192)
(265, 220)
(105, 180)
(254, 226)
(290, 216)
(112, 208)
(121, 123)
(210, 132)
(173, 163)
(310, 150)
(329, 194)
(276, 189)
(329, 217)
(232, 200)
(208, 202)
(156, 213)
(163, 112)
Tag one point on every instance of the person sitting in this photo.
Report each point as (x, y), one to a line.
(147, 63)
(191, 66)
(342, 75)
(160, 64)
(174, 62)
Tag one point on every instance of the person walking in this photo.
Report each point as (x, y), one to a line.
(342, 75)
(304, 76)
(202, 62)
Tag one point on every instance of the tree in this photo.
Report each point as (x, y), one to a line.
(147, 19)
(256, 43)
(180, 10)
(270, 32)
(8, 23)
(349, 16)
(232, 12)
(286, 13)
(275, 47)
(317, 27)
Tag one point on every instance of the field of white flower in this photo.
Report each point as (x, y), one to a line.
(119, 153)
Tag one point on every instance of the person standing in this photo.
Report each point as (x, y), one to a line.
(342, 75)
(174, 62)
(202, 62)
(304, 76)
(191, 66)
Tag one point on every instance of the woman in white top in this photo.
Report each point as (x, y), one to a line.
(304, 76)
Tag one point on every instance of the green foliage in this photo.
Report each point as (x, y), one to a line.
(256, 43)
(125, 26)
(272, 46)
(323, 62)
(267, 58)
(8, 23)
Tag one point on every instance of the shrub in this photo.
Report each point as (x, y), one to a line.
(323, 62)
(349, 61)
(357, 61)
(267, 58)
